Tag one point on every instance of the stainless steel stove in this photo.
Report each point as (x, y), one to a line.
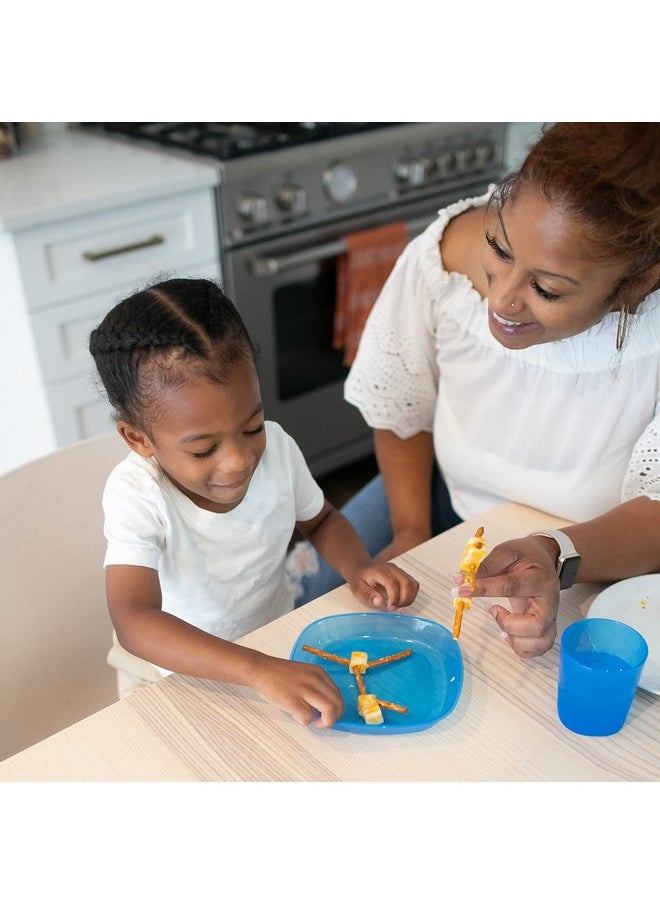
(288, 194)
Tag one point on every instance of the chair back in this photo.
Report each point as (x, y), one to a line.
(55, 631)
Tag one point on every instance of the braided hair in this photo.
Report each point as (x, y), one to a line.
(163, 336)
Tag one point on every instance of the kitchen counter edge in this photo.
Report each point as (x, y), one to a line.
(72, 173)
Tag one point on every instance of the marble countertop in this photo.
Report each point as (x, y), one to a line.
(71, 173)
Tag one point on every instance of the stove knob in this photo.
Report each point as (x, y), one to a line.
(464, 158)
(253, 209)
(483, 155)
(414, 172)
(340, 182)
(292, 198)
(445, 164)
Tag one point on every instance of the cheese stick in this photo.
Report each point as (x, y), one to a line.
(474, 552)
(358, 662)
(369, 709)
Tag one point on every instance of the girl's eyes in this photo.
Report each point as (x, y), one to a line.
(209, 452)
(206, 454)
(503, 255)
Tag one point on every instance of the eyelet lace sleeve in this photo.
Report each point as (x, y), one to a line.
(394, 378)
(643, 475)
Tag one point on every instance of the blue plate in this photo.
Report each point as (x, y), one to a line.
(428, 682)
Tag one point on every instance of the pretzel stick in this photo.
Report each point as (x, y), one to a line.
(395, 706)
(359, 680)
(324, 655)
(391, 658)
(459, 604)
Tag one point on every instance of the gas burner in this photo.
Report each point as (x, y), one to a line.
(229, 140)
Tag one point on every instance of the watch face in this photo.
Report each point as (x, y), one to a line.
(567, 570)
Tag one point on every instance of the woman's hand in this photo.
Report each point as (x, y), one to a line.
(303, 690)
(383, 586)
(524, 571)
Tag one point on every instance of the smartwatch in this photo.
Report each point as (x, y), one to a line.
(568, 561)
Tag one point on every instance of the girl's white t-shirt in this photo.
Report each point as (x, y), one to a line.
(223, 573)
(569, 427)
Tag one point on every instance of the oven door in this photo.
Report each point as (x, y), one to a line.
(285, 290)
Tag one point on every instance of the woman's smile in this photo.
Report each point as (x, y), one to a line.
(509, 327)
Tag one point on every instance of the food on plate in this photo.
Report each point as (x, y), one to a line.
(474, 552)
(358, 662)
(359, 680)
(369, 709)
(368, 705)
(392, 658)
(322, 653)
(385, 704)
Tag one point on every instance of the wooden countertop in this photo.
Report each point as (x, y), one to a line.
(503, 728)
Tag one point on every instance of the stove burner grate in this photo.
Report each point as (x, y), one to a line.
(229, 140)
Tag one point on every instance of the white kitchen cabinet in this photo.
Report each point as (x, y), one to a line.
(62, 261)
(58, 281)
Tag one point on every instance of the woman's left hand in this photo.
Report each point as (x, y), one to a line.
(524, 571)
(384, 586)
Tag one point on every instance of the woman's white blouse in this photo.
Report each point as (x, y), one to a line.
(569, 427)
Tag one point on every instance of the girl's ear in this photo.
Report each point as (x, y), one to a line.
(137, 439)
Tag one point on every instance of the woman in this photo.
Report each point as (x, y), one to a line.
(517, 343)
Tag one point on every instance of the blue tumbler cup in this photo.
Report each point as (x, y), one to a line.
(600, 664)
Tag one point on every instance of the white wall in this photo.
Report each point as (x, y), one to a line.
(520, 138)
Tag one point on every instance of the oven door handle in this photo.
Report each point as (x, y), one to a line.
(263, 267)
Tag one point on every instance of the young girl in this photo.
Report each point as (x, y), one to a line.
(198, 517)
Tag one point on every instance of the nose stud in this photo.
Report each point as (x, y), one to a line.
(513, 304)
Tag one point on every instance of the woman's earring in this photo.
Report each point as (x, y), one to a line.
(621, 328)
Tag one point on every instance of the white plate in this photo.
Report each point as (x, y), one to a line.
(636, 602)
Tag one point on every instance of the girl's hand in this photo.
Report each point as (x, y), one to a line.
(384, 586)
(524, 571)
(303, 690)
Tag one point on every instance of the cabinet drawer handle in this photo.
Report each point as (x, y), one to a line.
(123, 249)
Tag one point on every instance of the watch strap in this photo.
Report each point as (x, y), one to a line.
(568, 560)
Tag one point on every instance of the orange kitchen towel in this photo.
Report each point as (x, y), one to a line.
(361, 274)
